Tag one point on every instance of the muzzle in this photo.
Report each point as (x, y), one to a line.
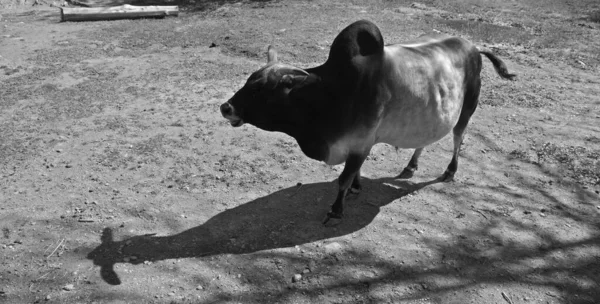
(228, 111)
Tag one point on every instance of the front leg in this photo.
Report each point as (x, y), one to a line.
(356, 186)
(349, 177)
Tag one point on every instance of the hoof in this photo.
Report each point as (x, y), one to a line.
(406, 173)
(332, 219)
(353, 190)
(447, 177)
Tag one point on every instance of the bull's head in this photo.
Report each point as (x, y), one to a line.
(264, 101)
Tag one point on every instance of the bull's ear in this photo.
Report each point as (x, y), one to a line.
(291, 80)
(271, 55)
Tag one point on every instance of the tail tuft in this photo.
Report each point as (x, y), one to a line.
(499, 66)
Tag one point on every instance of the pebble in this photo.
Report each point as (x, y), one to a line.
(69, 287)
(199, 287)
(333, 247)
(296, 278)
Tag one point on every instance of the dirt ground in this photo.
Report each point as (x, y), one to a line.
(120, 182)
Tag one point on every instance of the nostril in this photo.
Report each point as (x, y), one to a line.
(226, 109)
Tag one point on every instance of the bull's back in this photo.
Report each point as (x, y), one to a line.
(424, 82)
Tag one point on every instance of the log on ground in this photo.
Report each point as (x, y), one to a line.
(116, 12)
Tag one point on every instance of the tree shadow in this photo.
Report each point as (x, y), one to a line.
(285, 218)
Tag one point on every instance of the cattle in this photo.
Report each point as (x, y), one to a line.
(407, 95)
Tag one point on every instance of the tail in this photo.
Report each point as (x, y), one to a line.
(499, 66)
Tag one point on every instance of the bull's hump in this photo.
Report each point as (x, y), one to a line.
(361, 38)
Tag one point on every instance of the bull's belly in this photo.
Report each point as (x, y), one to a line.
(402, 132)
(408, 127)
(410, 138)
(417, 130)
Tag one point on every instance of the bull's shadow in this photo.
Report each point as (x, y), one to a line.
(284, 218)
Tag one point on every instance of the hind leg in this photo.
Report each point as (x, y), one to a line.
(412, 166)
(469, 106)
(453, 166)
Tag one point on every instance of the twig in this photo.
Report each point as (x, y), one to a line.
(482, 214)
(507, 298)
(59, 244)
(47, 247)
(47, 273)
(297, 190)
(372, 204)
(552, 295)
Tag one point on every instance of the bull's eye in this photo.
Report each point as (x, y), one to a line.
(255, 92)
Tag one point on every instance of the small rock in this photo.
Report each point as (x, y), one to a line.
(199, 287)
(126, 259)
(312, 265)
(48, 297)
(296, 278)
(305, 271)
(68, 287)
(419, 6)
(333, 247)
(171, 294)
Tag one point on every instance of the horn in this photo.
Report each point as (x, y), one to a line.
(271, 55)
